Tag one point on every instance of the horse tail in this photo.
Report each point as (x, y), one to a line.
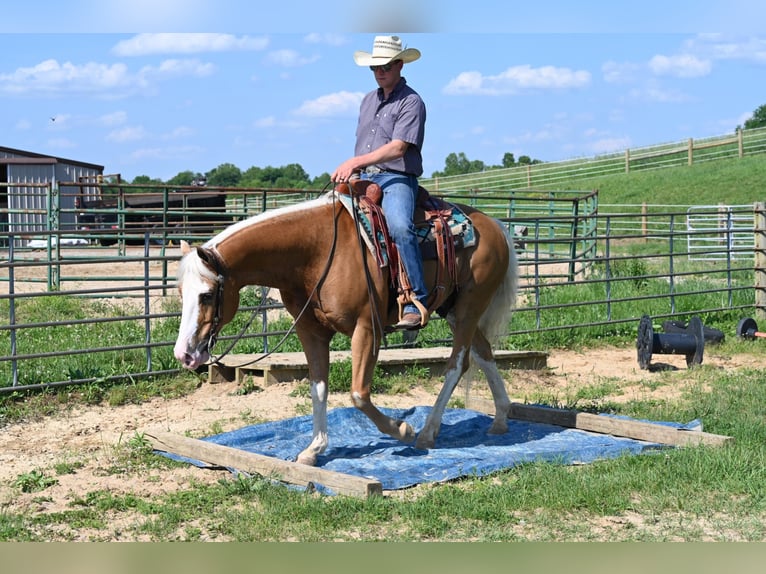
(494, 322)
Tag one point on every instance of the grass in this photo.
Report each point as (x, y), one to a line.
(735, 181)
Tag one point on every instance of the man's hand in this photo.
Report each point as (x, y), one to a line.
(345, 170)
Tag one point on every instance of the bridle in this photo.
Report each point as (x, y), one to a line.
(219, 270)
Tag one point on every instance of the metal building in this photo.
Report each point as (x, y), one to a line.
(26, 183)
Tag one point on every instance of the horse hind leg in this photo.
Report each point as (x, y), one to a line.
(456, 366)
(481, 355)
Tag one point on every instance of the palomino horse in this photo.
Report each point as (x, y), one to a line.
(312, 254)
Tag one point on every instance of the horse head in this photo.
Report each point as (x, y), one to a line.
(208, 302)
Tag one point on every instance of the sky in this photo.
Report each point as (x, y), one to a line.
(160, 87)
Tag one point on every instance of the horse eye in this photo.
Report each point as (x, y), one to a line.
(206, 299)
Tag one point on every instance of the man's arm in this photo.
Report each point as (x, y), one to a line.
(387, 152)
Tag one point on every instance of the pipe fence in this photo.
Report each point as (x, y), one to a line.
(80, 313)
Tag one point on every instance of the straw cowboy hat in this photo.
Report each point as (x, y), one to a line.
(386, 49)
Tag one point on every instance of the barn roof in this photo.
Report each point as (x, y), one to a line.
(31, 158)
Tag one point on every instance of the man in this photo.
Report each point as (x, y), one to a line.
(389, 139)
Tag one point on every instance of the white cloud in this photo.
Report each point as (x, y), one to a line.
(179, 133)
(681, 66)
(179, 68)
(266, 122)
(181, 43)
(289, 58)
(620, 72)
(517, 79)
(61, 143)
(328, 39)
(167, 153)
(52, 76)
(720, 47)
(113, 119)
(113, 80)
(337, 104)
(658, 94)
(126, 134)
(610, 145)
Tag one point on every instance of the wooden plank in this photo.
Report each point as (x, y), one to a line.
(605, 425)
(286, 471)
(281, 367)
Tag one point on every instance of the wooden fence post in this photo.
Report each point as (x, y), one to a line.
(627, 161)
(760, 260)
(691, 151)
(740, 143)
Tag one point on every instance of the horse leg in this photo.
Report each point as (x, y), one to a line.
(456, 366)
(364, 355)
(463, 325)
(481, 354)
(318, 358)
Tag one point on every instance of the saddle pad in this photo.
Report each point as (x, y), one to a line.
(463, 234)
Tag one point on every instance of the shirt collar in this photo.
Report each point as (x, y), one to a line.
(397, 88)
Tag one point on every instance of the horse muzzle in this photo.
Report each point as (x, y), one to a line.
(192, 357)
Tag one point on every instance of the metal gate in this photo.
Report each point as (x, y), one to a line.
(719, 231)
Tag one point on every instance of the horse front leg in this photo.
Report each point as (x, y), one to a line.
(364, 355)
(318, 358)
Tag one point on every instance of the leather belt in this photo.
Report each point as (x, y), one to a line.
(375, 170)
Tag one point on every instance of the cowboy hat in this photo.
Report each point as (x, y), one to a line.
(386, 49)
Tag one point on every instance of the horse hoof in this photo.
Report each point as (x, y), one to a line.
(424, 443)
(498, 427)
(307, 458)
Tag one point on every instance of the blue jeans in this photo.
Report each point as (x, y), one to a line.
(399, 197)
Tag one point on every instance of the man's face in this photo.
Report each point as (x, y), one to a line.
(388, 75)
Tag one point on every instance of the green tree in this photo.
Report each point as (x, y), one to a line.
(508, 159)
(321, 181)
(459, 164)
(758, 120)
(182, 178)
(225, 175)
(144, 179)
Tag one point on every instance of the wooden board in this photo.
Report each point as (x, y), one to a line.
(286, 471)
(605, 425)
(285, 367)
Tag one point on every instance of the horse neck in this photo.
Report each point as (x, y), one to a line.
(281, 250)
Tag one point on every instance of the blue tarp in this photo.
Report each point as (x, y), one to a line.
(463, 447)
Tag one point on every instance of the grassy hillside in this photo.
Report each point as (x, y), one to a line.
(730, 181)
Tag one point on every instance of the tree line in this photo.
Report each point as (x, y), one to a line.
(293, 176)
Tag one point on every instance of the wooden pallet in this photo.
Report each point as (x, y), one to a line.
(265, 370)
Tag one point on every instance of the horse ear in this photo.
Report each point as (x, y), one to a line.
(206, 256)
(185, 247)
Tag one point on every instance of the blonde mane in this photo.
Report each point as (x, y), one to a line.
(266, 215)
